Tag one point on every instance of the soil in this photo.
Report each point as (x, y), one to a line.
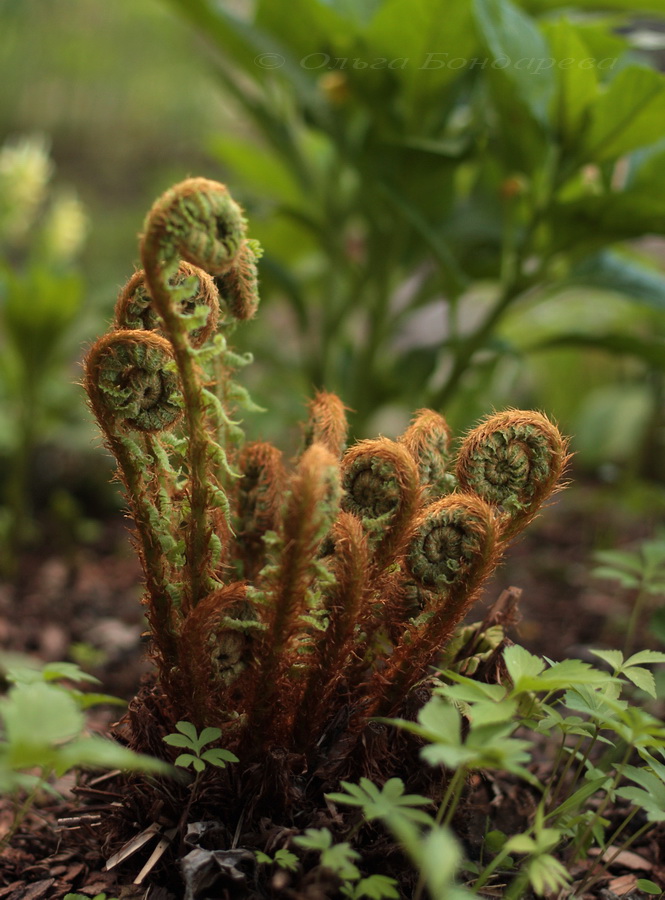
(86, 606)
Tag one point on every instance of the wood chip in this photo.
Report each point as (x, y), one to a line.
(156, 855)
(625, 858)
(623, 885)
(133, 845)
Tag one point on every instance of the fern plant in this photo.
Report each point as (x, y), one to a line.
(287, 605)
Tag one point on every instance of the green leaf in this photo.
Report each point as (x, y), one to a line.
(429, 33)
(511, 34)
(262, 858)
(189, 730)
(97, 752)
(649, 887)
(208, 735)
(314, 839)
(611, 271)
(613, 657)
(576, 85)
(547, 874)
(38, 717)
(381, 804)
(642, 678)
(628, 115)
(187, 759)
(286, 860)
(646, 656)
(521, 664)
(339, 859)
(219, 757)
(377, 887)
(179, 740)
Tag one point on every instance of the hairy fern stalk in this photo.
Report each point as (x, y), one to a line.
(279, 595)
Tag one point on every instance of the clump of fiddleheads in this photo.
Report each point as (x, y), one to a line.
(275, 597)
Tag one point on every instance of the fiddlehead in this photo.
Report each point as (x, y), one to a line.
(239, 284)
(513, 460)
(335, 647)
(198, 221)
(428, 440)
(326, 423)
(380, 482)
(259, 497)
(310, 509)
(134, 308)
(132, 385)
(213, 654)
(451, 552)
(131, 381)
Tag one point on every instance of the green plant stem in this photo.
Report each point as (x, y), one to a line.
(157, 576)
(198, 583)
(588, 831)
(633, 621)
(560, 779)
(22, 811)
(451, 798)
(591, 743)
(489, 870)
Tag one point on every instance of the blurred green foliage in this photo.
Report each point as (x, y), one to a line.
(42, 230)
(437, 181)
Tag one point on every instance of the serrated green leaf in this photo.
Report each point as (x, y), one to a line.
(286, 860)
(613, 657)
(377, 887)
(645, 656)
(314, 839)
(520, 664)
(642, 678)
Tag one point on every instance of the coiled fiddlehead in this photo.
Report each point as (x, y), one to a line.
(380, 482)
(198, 221)
(513, 460)
(451, 541)
(132, 383)
(428, 440)
(451, 552)
(134, 308)
(212, 654)
(239, 284)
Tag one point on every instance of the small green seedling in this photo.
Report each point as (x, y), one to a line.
(86, 897)
(194, 742)
(43, 733)
(641, 570)
(340, 860)
(283, 858)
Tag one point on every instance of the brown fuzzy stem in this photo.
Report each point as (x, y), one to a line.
(335, 648)
(311, 507)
